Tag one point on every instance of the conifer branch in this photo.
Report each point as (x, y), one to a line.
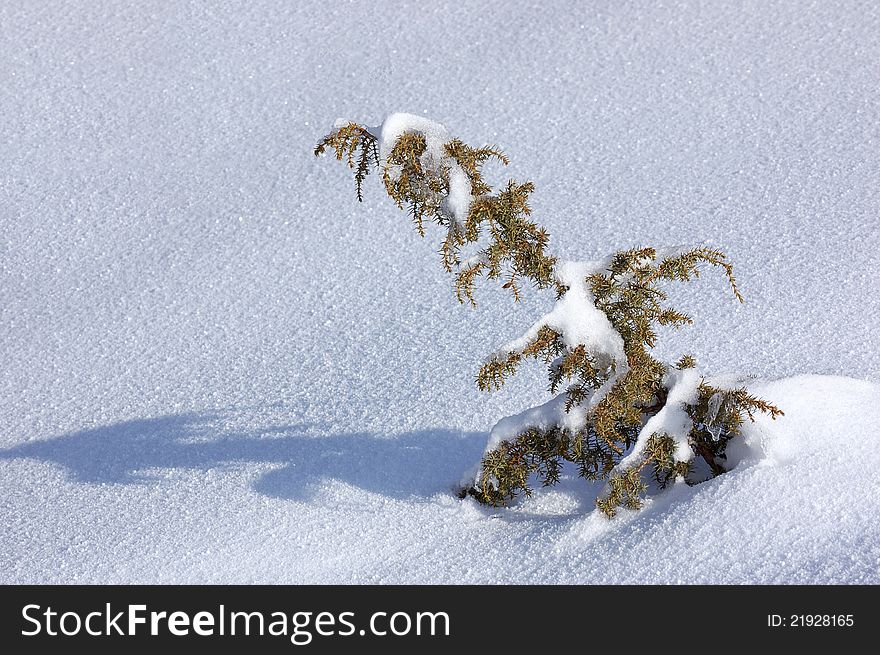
(357, 146)
(612, 387)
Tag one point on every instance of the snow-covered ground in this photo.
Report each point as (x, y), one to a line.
(218, 366)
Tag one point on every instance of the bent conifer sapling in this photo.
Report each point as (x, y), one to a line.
(618, 414)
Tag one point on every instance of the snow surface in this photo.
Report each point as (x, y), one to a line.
(218, 366)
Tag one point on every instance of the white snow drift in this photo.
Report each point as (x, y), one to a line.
(217, 366)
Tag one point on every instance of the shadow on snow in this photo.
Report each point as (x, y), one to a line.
(417, 464)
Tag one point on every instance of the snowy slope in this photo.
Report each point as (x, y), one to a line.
(217, 365)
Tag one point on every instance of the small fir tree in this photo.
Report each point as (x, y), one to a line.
(619, 414)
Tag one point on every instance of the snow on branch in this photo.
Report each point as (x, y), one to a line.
(438, 178)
